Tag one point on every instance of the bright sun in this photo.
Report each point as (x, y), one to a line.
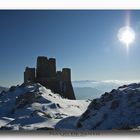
(126, 35)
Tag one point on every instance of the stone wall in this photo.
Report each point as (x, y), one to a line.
(29, 74)
(42, 69)
(52, 67)
(58, 82)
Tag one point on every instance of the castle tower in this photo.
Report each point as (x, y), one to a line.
(68, 91)
(42, 70)
(45, 74)
(66, 74)
(52, 66)
(29, 75)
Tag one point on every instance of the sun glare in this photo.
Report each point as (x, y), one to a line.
(126, 35)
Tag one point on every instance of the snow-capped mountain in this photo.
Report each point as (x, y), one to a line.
(32, 106)
(118, 109)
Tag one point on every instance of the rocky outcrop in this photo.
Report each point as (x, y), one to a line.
(25, 99)
(119, 109)
(31, 106)
(114, 104)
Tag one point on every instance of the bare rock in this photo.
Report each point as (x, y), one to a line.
(114, 104)
(107, 97)
(25, 99)
(95, 104)
(12, 88)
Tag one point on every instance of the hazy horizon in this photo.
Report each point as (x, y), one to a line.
(117, 82)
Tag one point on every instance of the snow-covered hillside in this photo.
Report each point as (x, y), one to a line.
(119, 109)
(32, 107)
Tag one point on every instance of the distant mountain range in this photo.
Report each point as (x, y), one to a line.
(89, 89)
(82, 93)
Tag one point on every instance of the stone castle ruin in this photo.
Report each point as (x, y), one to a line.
(45, 73)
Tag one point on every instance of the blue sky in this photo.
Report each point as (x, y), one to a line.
(86, 41)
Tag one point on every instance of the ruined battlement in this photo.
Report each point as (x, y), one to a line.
(45, 73)
(29, 74)
(66, 74)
